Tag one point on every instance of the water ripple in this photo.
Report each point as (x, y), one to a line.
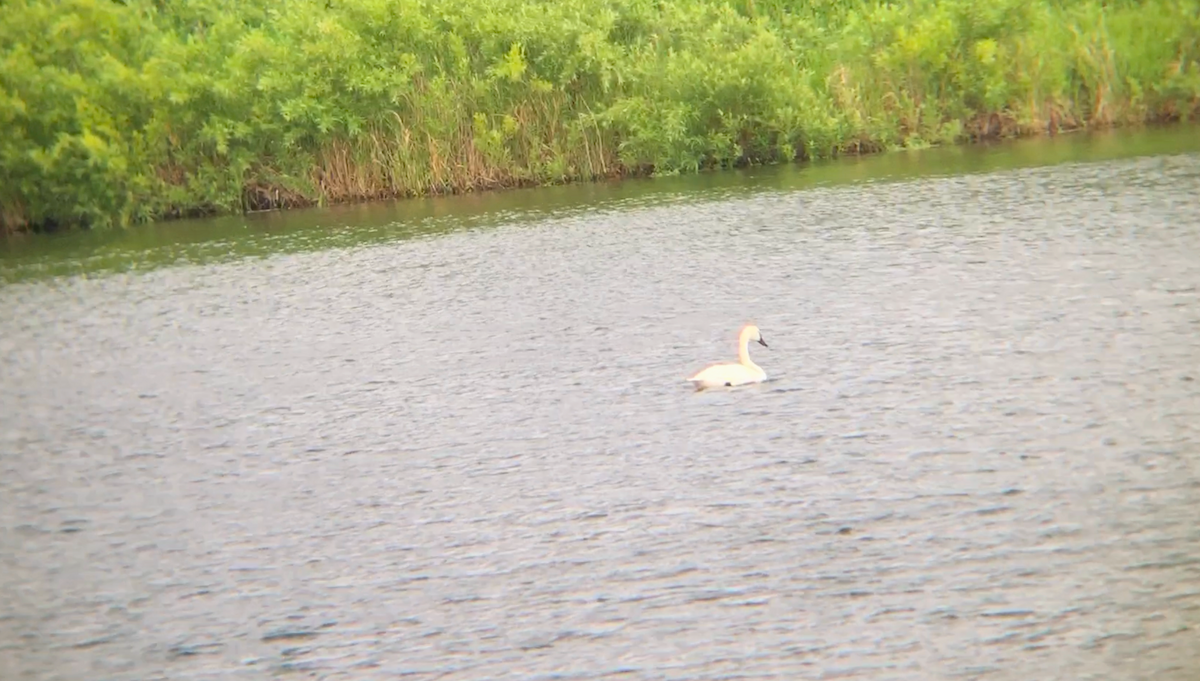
(474, 456)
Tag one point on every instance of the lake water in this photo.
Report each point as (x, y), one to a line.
(451, 438)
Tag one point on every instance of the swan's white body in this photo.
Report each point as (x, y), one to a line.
(741, 373)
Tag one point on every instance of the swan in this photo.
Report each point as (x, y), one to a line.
(744, 371)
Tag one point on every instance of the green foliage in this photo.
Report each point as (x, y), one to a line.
(122, 111)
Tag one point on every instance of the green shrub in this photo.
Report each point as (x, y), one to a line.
(117, 112)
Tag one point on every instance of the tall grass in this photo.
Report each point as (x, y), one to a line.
(115, 112)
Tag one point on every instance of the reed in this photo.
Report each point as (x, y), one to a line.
(119, 112)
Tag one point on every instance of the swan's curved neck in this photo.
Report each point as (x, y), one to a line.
(744, 351)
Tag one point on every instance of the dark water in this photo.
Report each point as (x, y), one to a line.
(458, 445)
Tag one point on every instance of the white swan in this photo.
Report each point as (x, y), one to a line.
(745, 371)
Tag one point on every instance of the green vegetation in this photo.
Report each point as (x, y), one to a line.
(116, 112)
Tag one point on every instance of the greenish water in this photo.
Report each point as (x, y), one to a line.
(207, 240)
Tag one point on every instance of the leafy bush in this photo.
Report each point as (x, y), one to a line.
(123, 111)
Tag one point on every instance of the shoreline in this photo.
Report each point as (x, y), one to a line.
(979, 141)
(301, 203)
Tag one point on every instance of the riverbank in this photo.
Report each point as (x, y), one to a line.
(148, 110)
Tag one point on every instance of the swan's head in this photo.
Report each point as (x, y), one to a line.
(753, 334)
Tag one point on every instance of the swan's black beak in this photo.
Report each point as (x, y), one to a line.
(763, 342)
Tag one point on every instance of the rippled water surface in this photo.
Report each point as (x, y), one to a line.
(470, 453)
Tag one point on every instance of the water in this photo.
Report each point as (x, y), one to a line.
(458, 445)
